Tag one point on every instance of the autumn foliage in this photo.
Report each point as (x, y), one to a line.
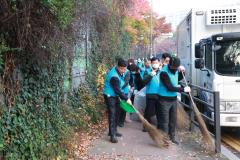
(137, 9)
(137, 22)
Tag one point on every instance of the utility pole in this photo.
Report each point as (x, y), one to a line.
(151, 30)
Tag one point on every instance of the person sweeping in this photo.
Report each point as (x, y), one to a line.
(125, 88)
(152, 82)
(113, 83)
(168, 88)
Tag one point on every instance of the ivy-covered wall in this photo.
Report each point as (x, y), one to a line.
(43, 45)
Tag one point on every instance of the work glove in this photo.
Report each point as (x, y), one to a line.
(187, 89)
(181, 69)
(153, 73)
(131, 89)
(135, 91)
(129, 101)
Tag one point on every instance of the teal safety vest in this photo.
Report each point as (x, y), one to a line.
(173, 79)
(125, 90)
(108, 89)
(140, 64)
(143, 70)
(153, 86)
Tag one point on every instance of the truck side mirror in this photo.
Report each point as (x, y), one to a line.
(199, 63)
(198, 51)
(217, 47)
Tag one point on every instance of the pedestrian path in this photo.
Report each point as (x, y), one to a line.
(137, 145)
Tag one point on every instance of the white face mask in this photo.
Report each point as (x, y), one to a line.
(155, 66)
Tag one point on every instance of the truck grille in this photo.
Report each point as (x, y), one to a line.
(223, 16)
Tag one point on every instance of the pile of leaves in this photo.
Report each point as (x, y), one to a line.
(83, 140)
(87, 117)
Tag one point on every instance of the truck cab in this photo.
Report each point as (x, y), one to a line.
(218, 57)
(208, 44)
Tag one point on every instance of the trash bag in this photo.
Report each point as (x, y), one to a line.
(139, 103)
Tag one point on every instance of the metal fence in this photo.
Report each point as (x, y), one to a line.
(210, 111)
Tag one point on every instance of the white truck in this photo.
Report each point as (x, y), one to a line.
(208, 44)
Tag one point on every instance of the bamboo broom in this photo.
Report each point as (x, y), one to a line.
(159, 137)
(182, 118)
(207, 139)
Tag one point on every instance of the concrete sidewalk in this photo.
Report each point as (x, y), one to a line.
(137, 145)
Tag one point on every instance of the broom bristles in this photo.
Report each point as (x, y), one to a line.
(183, 121)
(159, 137)
(207, 139)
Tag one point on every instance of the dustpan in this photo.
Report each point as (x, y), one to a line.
(126, 107)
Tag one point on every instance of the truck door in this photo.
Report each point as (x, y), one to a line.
(187, 60)
(207, 74)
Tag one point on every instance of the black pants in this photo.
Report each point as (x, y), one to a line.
(122, 116)
(152, 105)
(113, 113)
(132, 98)
(167, 116)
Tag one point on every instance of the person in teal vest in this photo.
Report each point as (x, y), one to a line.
(146, 69)
(165, 58)
(125, 89)
(113, 84)
(134, 74)
(152, 90)
(168, 88)
(139, 63)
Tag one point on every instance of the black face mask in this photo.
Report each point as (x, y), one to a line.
(174, 63)
(173, 70)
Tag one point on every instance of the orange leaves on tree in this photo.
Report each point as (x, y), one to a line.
(160, 26)
(137, 22)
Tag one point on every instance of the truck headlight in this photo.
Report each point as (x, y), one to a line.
(233, 106)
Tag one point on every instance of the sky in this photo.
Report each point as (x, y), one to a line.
(170, 6)
(175, 10)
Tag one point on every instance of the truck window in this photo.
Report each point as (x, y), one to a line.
(208, 56)
(228, 58)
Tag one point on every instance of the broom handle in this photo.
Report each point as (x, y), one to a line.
(190, 95)
(139, 114)
(202, 125)
(135, 109)
(195, 109)
(188, 86)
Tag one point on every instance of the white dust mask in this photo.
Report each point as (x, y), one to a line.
(155, 66)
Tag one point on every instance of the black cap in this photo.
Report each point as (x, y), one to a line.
(133, 67)
(154, 59)
(122, 63)
(174, 62)
(165, 55)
